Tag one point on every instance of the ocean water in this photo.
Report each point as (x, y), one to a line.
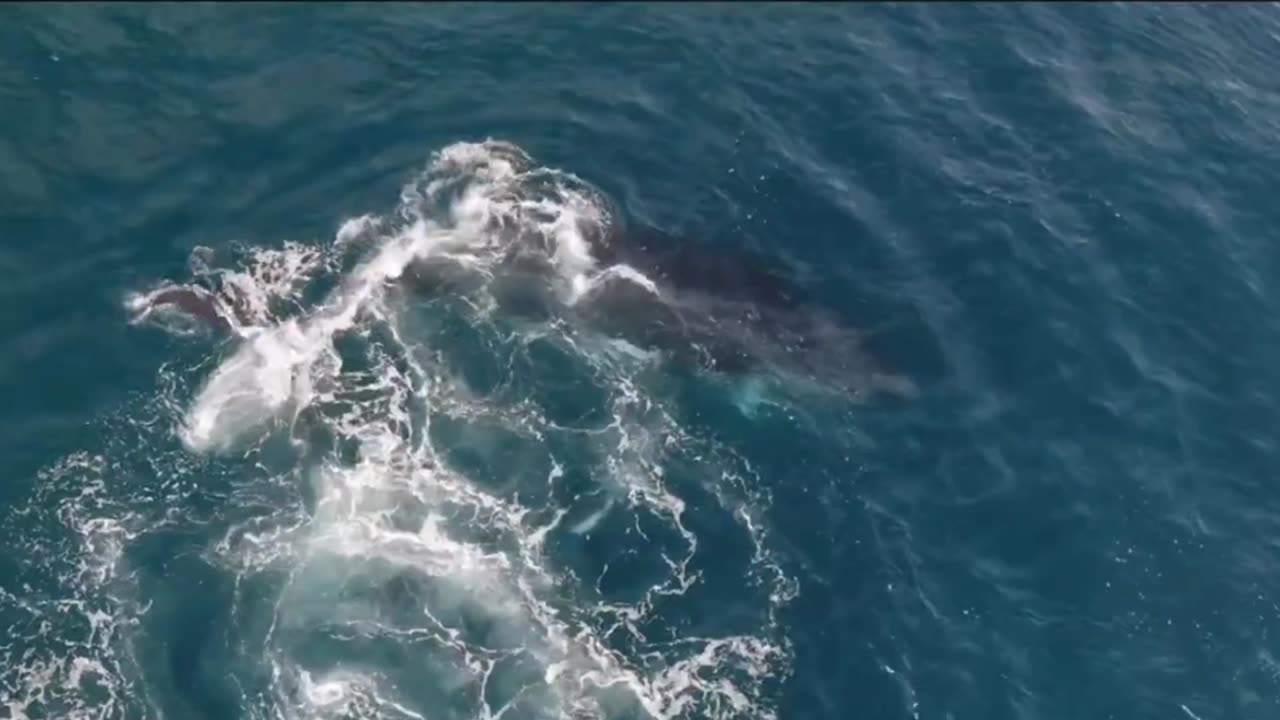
(964, 404)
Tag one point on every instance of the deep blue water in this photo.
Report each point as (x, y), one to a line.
(392, 498)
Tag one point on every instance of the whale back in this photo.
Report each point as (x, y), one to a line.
(698, 267)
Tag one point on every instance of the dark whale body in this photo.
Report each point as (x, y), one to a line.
(691, 266)
(716, 310)
(196, 303)
(728, 311)
(709, 309)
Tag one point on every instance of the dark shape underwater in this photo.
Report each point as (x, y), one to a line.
(728, 312)
(713, 310)
(196, 303)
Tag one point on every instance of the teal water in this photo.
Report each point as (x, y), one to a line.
(1006, 450)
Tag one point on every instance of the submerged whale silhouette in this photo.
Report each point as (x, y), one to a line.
(729, 311)
(722, 311)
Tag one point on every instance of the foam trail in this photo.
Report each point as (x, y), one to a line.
(438, 517)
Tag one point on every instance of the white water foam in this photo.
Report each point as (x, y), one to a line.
(406, 546)
(248, 297)
(61, 657)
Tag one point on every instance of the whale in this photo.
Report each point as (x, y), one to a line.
(193, 302)
(703, 308)
(731, 311)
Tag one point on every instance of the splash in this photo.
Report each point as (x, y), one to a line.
(491, 515)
